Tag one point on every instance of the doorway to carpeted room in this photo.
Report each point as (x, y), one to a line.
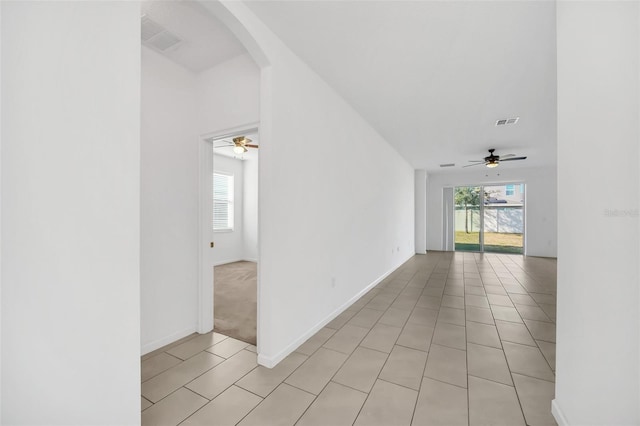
(235, 300)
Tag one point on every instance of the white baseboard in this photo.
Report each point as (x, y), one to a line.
(272, 361)
(157, 344)
(557, 414)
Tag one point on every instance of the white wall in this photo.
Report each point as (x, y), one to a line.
(327, 214)
(0, 219)
(541, 204)
(421, 211)
(598, 114)
(169, 201)
(230, 244)
(228, 95)
(250, 209)
(70, 213)
(178, 107)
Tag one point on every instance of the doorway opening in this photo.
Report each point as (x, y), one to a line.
(202, 78)
(490, 218)
(232, 225)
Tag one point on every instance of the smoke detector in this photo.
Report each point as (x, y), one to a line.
(505, 121)
(156, 36)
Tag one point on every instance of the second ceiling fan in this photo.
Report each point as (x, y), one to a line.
(494, 160)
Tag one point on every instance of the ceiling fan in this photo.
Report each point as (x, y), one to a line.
(493, 160)
(239, 144)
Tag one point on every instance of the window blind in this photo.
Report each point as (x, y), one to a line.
(222, 201)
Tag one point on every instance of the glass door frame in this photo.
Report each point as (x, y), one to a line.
(481, 239)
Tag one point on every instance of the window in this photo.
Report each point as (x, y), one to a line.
(509, 189)
(222, 201)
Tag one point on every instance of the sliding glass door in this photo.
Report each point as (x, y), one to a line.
(504, 218)
(468, 218)
(489, 218)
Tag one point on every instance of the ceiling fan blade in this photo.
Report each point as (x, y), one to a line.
(222, 146)
(251, 145)
(476, 161)
(514, 159)
(507, 156)
(477, 164)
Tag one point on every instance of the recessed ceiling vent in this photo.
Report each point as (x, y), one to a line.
(505, 121)
(157, 37)
(447, 165)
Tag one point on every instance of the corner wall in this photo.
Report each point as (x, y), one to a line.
(70, 213)
(336, 201)
(598, 298)
(0, 219)
(541, 204)
(169, 201)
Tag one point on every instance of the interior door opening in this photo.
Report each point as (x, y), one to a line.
(233, 224)
(490, 218)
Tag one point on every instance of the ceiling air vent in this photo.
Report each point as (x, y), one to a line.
(156, 36)
(505, 121)
(447, 165)
(149, 28)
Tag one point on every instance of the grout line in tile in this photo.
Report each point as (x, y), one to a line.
(402, 386)
(160, 372)
(439, 270)
(168, 346)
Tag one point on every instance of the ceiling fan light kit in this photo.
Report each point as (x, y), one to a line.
(239, 145)
(492, 161)
(240, 140)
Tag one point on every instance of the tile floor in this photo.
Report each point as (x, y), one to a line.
(446, 339)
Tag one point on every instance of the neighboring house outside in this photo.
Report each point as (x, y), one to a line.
(503, 211)
(505, 194)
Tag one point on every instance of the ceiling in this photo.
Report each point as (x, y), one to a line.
(433, 77)
(205, 41)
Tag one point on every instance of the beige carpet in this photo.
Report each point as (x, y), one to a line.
(235, 294)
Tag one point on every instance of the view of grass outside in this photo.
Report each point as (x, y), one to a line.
(502, 211)
(494, 242)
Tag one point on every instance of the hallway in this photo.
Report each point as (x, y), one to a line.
(448, 338)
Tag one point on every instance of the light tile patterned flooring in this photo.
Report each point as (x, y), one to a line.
(448, 338)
